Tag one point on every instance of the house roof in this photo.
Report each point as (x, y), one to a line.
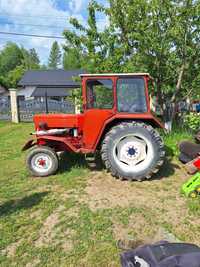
(51, 91)
(50, 78)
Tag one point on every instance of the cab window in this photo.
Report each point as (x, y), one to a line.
(131, 96)
(100, 94)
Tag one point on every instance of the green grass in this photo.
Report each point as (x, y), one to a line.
(50, 222)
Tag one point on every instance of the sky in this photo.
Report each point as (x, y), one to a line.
(41, 17)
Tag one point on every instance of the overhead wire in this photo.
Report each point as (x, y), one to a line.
(7, 15)
(33, 35)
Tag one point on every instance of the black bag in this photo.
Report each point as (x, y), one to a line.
(162, 254)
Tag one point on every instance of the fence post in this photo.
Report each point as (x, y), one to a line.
(14, 106)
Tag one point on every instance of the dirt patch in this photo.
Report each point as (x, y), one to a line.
(10, 250)
(34, 263)
(47, 232)
(136, 224)
(72, 212)
(159, 203)
(67, 246)
(36, 214)
(104, 191)
(50, 232)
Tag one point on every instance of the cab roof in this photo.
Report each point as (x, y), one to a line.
(114, 74)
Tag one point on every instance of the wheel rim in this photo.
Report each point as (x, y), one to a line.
(133, 153)
(41, 162)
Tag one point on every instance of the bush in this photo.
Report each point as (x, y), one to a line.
(192, 121)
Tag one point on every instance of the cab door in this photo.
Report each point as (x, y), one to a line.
(99, 107)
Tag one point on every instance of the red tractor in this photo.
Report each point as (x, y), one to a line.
(116, 121)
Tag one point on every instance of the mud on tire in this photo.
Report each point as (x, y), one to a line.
(133, 151)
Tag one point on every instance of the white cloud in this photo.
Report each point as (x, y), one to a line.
(76, 5)
(37, 12)
(40, 12)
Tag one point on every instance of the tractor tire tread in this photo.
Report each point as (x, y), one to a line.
(155, 135)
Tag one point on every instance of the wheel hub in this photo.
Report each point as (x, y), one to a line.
(41, 162)
(131, 150)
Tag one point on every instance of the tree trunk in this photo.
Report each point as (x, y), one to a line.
(178, 84)
(177, 90)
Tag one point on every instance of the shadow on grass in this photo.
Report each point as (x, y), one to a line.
(169, 167)
(70, 160)
(27, 202)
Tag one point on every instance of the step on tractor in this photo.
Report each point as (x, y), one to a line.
(116, 122)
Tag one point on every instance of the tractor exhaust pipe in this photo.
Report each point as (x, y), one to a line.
(50, 132)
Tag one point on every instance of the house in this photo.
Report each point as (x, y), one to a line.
(54, 84)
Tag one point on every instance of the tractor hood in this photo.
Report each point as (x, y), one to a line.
(59, 120)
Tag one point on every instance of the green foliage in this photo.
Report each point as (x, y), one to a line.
(15, 75)
(10, 57)
(14, 61)
(192, 121)
(72, 59)
(30, 59)
(55, 56)
(160, 37)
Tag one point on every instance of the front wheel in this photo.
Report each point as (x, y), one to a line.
(133, 151)
(42, 161)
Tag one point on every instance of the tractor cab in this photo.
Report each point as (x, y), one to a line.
(126, 93)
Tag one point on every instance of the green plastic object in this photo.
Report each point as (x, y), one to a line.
(192, 187)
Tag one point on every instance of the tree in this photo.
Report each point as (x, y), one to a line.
(55, 56)
(31, 60)
(14, 61)
(94, 47)
(15, 75)
(10, 57)
(34, 56)
(157, 36)
(72, 59)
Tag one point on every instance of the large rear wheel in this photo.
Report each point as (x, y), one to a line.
(133, 151)
(42, 161)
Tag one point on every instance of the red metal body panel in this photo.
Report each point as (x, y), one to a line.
(59, 120)
(94, 121)
(91, 124)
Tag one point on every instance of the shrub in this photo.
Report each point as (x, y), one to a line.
(192, 121)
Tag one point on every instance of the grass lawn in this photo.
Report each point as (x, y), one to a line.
(74, 218)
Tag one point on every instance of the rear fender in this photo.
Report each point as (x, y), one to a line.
(146, 118)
